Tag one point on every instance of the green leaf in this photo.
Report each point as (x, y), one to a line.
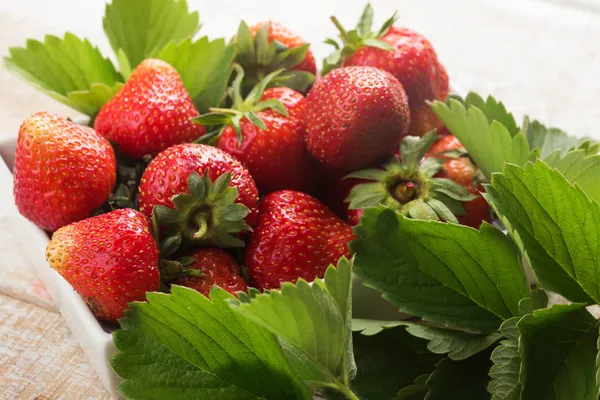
(141, 28)
(494, 111)
(124, 65)
(204, 66)
(69, 70)
(185, 345)
(255, 120)
(490, 144)
(365, 22)
(458, 345)
(474, 279)
(418, 209)
(578, 168)
(558, 347)
(273, 104)
(460, 380)
(414, 148)
(212, 119)
(387, 362)
(315, 319)
(452, 189)
(294, 79)
(506, 358)
(549, 140)
(372, 174)
(441, 210)
(558, 225)
(378, 43)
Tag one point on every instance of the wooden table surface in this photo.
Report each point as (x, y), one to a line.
(541, 57)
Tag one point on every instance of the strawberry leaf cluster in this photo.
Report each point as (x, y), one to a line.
(74, 72)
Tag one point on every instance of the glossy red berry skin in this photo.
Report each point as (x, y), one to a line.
(167, 175)
(276, 156)
(62, 172)
(356, 117)
(413, 61)
(476, 211)
(218, 268)
(110, 260)
(150, 113)
(290, 40)
(462, 171)
(296, 236)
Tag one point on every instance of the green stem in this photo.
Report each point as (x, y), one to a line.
(339, 386)
(202, 227)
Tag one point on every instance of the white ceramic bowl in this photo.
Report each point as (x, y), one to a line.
(93, 336)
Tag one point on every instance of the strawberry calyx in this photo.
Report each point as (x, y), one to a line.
(208, 215)
(173, 269)
(409, 186)
(361, 36)
(242, 107)
(259, 57)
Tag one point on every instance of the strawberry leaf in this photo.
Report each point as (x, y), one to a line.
(68, 69)
(474, 279)
(558, 225)
(558, 348)
(137, 29)
(387, 362)
(494, 111)
(458, 345)
(489, 142)
(549, 140)
(506, 358)
(204, 66)
(184, 345)
(578, 168)
(460, 380)
(315, 320)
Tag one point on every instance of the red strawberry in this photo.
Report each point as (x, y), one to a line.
(355, 117)
(296, 236)
(62, 171)
(461, 170)
(476, 211)
(204, 194)
(266, 132)
(444, 144)
(150, 113)
(110, 260)
(287, 38)
(268, 47)
(405, 54)
(217, 267)
(423, 120)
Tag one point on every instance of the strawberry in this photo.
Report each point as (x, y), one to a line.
(406, 54)
(296, 236)
(459, 168)
(282, 35)
(217, 267)
(266, 132)
(199, 194)
(150, 113)
(409, 184)
(62, 171)
(355, 117)
(269, 46)
(110, 260)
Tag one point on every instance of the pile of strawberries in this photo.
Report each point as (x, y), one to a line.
(262, 189)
